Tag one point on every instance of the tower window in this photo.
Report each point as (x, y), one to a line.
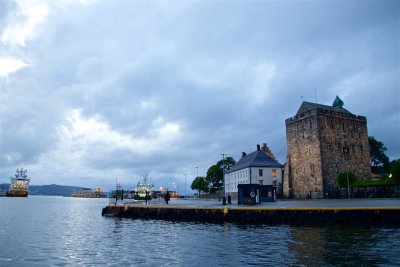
(312, 169)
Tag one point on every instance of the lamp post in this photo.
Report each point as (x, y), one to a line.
(223, 173)
(347, 174)
(185, 185)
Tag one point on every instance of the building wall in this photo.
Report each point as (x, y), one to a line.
(234, 178)
(305, 156)
(267, 178)
(243, 177)
(316, 141)
(344, 147)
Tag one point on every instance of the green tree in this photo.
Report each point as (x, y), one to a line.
(200, 184)
(215, 173)
(379, 160)
(395, 169)
(342, 179)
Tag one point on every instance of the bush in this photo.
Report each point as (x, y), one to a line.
(395, 169)
(342, 179)
(375, 182)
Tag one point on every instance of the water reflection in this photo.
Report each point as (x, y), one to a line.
(338, 245)
(49, 231)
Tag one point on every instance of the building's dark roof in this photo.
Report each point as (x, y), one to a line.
(307, 106)
(255, 159)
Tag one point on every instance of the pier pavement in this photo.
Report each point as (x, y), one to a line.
(279, 204)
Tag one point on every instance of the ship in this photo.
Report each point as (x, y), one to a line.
(90, 193)
(19, 186)
(143, 190)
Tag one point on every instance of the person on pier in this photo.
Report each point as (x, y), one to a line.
(167, 197)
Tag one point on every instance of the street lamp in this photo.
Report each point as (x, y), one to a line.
(223, 173)
(185, 185)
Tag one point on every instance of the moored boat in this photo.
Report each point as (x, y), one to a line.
(144, 190)
(19, 186)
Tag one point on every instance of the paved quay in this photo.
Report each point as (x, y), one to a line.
(279, 204)
(296, 212)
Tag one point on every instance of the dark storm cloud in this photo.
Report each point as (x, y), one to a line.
(121, 89)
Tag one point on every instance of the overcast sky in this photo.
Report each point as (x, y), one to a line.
(94, 91)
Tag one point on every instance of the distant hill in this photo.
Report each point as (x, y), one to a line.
(48, 190)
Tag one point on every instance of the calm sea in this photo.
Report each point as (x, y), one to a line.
(57, 231)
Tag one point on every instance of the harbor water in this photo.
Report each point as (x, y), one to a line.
(58, 231)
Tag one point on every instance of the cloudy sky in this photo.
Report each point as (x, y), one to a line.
(91, 91)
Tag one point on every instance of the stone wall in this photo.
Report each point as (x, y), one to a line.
(305, 158)
(321, 144)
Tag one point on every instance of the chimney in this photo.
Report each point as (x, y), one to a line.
(243, 154)
(267, 151)
(258, 147)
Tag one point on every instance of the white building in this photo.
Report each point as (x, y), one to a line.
(258, 167)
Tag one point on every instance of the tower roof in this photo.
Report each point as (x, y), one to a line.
(337, 103)
(337, 106)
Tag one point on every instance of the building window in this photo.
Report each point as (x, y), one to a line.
(260, 172)
(336, 168)
(273, 173)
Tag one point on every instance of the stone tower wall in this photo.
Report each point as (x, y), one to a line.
(316, 141)
(344, 147)
(305, 157)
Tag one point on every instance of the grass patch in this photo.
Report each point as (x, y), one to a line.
(382, 181)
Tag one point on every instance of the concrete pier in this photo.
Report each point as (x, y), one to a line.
(308, 212)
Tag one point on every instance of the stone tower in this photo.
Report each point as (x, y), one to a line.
(322, 142)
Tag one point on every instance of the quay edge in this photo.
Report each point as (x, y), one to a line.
(259, 215)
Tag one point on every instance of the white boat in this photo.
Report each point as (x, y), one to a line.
(143, 190)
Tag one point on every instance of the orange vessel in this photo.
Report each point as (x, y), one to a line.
(19, 186)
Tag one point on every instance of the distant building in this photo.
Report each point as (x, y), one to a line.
(258, 167)
(322, 142)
